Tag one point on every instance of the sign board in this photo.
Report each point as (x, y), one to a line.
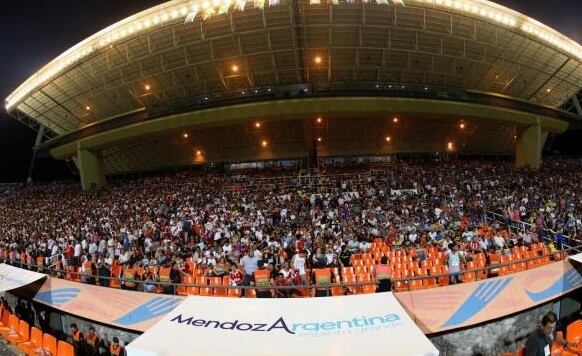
(13, 277)
(368, 324)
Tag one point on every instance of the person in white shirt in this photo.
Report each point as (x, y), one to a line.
(499, 241)
(298, 264)
(92, 248)
(77, 254)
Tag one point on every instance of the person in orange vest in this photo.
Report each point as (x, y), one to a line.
(129, 277)
(115, 349)
(384, 275)
(77, 339)
(262, 277)
(92, 341)
(59, 267)
(89, 270)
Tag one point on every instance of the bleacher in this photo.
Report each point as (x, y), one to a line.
(31, 340)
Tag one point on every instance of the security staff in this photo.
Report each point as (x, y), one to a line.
(262, 278)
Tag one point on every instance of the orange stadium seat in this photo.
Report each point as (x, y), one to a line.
(574, 333)
(217, 281)
(49, 343)
(29, 347)
(65, 349)
(234, 292)
(12, 327)
(22, 335)
(5, 318)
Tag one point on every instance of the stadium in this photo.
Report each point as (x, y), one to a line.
(238, 160)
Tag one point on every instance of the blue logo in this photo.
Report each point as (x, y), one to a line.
(481, 296)
(569, 280)
(57, 297)
(153, 308)
(312, 328)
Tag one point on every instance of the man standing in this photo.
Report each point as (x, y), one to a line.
(249, 264)
(454, 259)
(92, 341)
(262, 278)
(539, 342)
(384, 275)
(77, 339)
(115, 349)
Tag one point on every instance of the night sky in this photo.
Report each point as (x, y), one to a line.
(34, 32)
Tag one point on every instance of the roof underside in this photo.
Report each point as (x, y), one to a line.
(358, 43)
(337, 136)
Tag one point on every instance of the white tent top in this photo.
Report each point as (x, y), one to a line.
(13, 277)
(577, 258)
(369, 324)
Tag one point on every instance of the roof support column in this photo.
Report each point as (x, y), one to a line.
(528, 148)
(577, 104)
(90, 164)
(37, 142)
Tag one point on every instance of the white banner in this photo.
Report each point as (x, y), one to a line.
(576, 257)
(13, 277)
(367, 324)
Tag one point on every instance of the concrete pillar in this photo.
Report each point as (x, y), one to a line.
(90, 166)
(528, 148)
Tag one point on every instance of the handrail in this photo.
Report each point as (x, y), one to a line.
(309, 286)
(508, 222)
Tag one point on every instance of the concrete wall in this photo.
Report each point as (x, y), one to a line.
(492, 339)
(59, 323)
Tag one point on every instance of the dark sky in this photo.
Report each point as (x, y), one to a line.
(34, 32)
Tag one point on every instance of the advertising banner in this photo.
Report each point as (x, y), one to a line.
(461, 305)
(369, 324)
(130, 310)
(13, 277)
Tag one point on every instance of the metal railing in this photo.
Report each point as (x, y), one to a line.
(544, 233)
(308, 289)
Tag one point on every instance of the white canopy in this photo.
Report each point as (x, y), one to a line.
(576, 257)
(368, 324)
(13, 277)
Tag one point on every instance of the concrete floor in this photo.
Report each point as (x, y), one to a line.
(8, 350)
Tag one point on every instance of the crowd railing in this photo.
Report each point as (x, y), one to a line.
(547, 235)
(213, 287)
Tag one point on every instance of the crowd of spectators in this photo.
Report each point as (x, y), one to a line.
(232, 222)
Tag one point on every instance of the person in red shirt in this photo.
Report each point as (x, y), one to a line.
(299, 244)
(236, 276)
(280, 281)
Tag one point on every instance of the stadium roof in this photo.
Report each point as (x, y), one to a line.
(184, 52)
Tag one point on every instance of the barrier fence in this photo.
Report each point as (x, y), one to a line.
(499, 265)
(546, 234)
